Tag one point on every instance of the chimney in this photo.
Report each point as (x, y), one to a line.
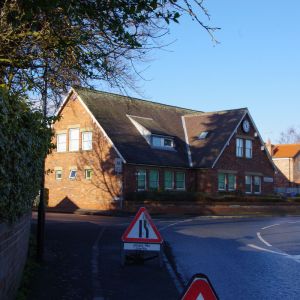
(270, 147)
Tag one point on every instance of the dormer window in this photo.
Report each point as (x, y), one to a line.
(203, 135)
(162, 142)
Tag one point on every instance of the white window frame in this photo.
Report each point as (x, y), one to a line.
(248, 148)
(159, 142)
(144, 173)
(74, 142)
(71, 176)
(251, 184)
(254, 184)
(239, 147)
(181, 188)
(86, 172)
(61, 146)
(58, 172)
(87, 143)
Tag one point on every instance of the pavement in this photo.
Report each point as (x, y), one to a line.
(82, 261)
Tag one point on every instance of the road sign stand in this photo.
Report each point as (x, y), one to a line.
(141, 237)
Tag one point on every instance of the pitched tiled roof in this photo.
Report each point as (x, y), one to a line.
(113, 111)
(219, 125)
(286, 150)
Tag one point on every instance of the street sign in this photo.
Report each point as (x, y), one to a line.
(142, 229)
(142, 236)
(199, 288)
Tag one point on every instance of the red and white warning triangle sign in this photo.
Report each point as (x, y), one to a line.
(142, 229)
(199, 288)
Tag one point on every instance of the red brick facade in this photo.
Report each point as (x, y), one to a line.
(106, 188)
(101, 191)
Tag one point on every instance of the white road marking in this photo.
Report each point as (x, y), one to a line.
(175, 223)
(264, 241)
(97, 291)
(270, 226)
(294, 222)
(293, 257)
(266, 250)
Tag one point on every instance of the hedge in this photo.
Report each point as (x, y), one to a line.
(25, 139)
(177, 196)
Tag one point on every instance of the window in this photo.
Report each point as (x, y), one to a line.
(88, 174)
(168, 142)
(153, 180)
(231, 182)
(248, 149)
(221, 182)
(239, 147)
(73, 174)
(74, 139)
(169, 180)
(61, 142)
(203, 135)
(180, 181)
(156, 141)
(226, 181)
(87, 140)
(248, 183)
(58, 174)
(162, 142)
(257, 185)
(141, 180)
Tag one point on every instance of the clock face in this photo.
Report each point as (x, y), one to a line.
(246, 126)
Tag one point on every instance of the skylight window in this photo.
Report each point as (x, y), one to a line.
(203, 135)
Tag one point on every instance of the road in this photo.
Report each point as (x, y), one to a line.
(83, 262)
(245, 258)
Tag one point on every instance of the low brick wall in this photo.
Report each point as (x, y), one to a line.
(13, 254)
(216, 209)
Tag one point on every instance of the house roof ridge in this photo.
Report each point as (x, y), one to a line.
(134, 99)
(216, 112)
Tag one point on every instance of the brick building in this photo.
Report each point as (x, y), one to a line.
(286, 157)
(109, 146)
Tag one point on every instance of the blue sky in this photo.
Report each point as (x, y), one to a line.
(256, 64)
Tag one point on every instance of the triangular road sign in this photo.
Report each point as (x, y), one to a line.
(199, 288)
(142, 229)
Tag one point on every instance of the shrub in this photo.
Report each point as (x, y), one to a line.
(25, 139)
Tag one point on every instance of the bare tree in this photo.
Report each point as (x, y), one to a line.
(289, 136)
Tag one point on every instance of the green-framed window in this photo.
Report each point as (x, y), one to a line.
(153, 179)
(169, 180)
(180, 181)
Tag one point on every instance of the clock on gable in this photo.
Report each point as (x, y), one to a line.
(246, 126)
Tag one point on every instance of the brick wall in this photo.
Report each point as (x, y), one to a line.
(259, 163)
(13, 254)
(98, 193)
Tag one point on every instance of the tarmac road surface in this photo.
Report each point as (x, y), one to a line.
(244, 258)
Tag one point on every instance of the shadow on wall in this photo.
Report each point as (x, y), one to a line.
(67, 205)
(104, 181)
